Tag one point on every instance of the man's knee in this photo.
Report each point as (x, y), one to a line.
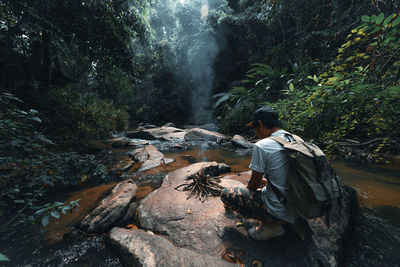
(225, 195)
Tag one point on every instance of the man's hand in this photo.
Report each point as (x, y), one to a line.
(263, 182)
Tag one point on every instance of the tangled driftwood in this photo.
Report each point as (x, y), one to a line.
(202, 186)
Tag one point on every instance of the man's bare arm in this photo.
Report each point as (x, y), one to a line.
(255, 180)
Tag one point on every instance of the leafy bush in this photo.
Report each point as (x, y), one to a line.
(359, 95)
(262, 83)
(356, 96)
(29, 165)
(78, 119)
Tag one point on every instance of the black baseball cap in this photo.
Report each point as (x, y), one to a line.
(263, 114)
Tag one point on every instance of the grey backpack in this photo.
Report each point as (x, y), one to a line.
(314, 190)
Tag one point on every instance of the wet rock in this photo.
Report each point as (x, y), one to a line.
(78, 250)
(239, 142)
(169, 124)
(130, 214)
(161, 133)
(149, 126)
(154, 180)
(166, 210)
(208, 229)
(128, 166)
(119, 142)
(150, 157)
(209, 127)
(376, 240)
(197, 134)
(168, 133)
(123, 166)
(140, 134)
(111, 209)
(173, 145)
(137, 143)
(139, 248)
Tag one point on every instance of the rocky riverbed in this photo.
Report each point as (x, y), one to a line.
(197, 232)
(145, 221)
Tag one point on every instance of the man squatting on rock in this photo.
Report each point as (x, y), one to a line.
(269, 159)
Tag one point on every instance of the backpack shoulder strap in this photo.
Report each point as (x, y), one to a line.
(280, 140)
(283, 141)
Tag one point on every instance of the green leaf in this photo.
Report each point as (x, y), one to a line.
(338, 75)
(45, 220)
(291, 87)
(388, 19)
(380, 18)
(372, 18)
(65, 209)
(238, 90)
(365, 18)
(3, 257)
(396, 21)
(21, 201)
(55, 214)
(36, 119)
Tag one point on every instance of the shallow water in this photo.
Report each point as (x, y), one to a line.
(378, 189)
(376, 185)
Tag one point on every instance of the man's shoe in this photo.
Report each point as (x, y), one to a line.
(263, 232)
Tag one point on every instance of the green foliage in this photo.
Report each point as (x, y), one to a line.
(355, 96)
(265, 84)
(279, 33)
(3, 257)
(81, 118)
(75, 59)
(29, 165)
(359, 94)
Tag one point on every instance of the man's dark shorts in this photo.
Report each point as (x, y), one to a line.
(246, 202)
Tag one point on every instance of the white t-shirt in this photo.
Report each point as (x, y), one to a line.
(269, 158)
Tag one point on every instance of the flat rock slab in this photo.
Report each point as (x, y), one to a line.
(197, 134)
(111, 209)
(150, 157)
(161, 133)
(240, 142)
(189, 223)
(139, 248)
(241, 177)
(208, 229)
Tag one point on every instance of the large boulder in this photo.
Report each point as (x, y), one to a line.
(123, 166)
(111, 209)
(208, 229)
(239, 142)
(150, 157)
(209, 127)
(140, 134)
(139, 248)
(197, 134)
(160, 133)
(376, 239)
(188, 222)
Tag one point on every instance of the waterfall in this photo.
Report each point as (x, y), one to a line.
(185, 26)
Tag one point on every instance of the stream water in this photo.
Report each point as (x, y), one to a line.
(60, 244)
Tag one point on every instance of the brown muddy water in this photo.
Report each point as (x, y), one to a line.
(378, 188)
